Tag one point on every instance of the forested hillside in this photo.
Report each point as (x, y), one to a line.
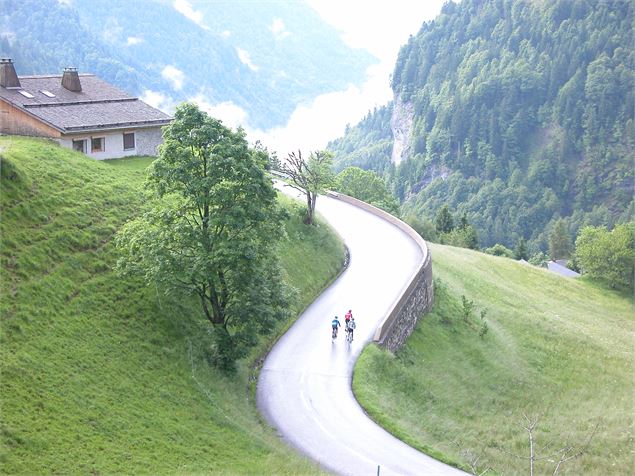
(264, 57)
(515, 113)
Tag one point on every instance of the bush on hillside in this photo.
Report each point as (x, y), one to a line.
(500, 250)
(423, 226)
(608, 256)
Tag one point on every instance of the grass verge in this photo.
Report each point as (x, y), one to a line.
(557, 348)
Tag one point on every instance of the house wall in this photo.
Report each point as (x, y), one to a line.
(16, 122)
(146, 143)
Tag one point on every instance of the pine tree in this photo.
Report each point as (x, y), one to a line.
(521, 251)
(559, 241)
(443, 221)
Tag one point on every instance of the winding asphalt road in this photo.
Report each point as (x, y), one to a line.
(304, 389)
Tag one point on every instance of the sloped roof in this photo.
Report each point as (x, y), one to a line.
(98, 106)
(563, 270)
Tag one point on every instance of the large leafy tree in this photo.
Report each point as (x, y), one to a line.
(213, 231)
(311, 177)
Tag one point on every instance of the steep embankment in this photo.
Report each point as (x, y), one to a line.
(555, 347)
(101, 374)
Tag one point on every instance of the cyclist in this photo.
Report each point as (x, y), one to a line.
(348, 316)
(335, 323)
(350, 327)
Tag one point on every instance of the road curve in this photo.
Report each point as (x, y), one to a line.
(304, 389)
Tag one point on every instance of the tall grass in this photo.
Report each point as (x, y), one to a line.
(556, 348)
(99, 373)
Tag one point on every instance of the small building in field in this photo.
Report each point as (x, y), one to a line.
(80, 111)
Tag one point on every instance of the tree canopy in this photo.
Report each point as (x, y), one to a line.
(608, 256)
(212, 231)
(367, 186)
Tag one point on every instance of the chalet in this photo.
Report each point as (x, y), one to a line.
(80, 111)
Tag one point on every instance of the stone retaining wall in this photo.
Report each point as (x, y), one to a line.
(416, 300)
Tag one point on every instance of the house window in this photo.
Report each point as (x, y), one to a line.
(79, 145)
(128, 141)
(97, 144)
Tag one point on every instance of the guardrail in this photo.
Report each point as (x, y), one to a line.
(416, 298)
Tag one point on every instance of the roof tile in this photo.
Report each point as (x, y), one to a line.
(99, 105)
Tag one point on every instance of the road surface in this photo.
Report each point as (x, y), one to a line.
(304, 389)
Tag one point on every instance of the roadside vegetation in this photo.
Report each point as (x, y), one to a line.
(507, 341)
(101, 373)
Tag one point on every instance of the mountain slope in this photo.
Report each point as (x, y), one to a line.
(557, 347)
(101, 374)
(515, 113)
(262, 57)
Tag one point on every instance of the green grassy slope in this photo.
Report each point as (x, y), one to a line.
(101, 374)
(556, 347)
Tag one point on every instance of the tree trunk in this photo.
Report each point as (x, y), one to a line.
(310, 206)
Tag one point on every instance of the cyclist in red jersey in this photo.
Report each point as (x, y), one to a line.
(348, 316)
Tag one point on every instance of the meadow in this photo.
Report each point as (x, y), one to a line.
(556, 350)
(102, 374)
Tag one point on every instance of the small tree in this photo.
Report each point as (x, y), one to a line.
(311, 177)
(366, 185)
(499, 250)
(559, 241)
(557, 457)
(461, 237)
(443, 221)
(467, 307)
(423, 226)
(463, 223)
(538, 259)
(471, 237)
(484, 327)
(521, 251)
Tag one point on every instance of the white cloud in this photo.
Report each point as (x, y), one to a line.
(66, 3)
(312, 126)
(226, 34)
(158, 100)
(184, 7)
(174, 76)
(278, 29)
(228, 112)
(381, 28)
(246, 59)
(376, 25)
(133, 40)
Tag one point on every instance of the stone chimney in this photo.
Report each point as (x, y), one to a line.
(70, 80)
(8, 76)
